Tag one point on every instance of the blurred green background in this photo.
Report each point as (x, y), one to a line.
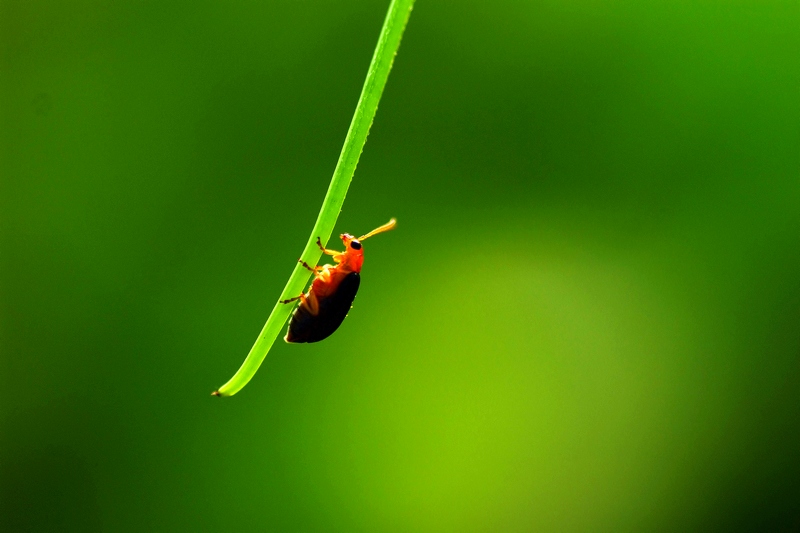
(588, 318)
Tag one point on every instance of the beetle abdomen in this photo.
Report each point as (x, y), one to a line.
(333, 308)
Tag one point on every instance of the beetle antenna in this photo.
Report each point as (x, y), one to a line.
(386, 227)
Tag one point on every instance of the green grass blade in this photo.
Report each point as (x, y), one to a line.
(379, 67)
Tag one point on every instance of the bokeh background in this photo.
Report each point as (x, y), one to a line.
(588, 318)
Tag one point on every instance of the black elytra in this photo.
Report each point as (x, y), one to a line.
(333, 308)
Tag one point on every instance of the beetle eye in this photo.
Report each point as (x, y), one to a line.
(355, 245)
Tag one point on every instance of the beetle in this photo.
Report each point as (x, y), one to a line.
(330, 297)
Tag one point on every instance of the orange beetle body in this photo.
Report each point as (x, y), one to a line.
(330, 297)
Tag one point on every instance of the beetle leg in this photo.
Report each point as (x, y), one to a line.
(312, 303)
(302, 298)
(309, 301)
(325, 250)
(312, 269)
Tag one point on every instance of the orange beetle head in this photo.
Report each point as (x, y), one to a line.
(353, 250)
(351, 244)
(353, 253)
